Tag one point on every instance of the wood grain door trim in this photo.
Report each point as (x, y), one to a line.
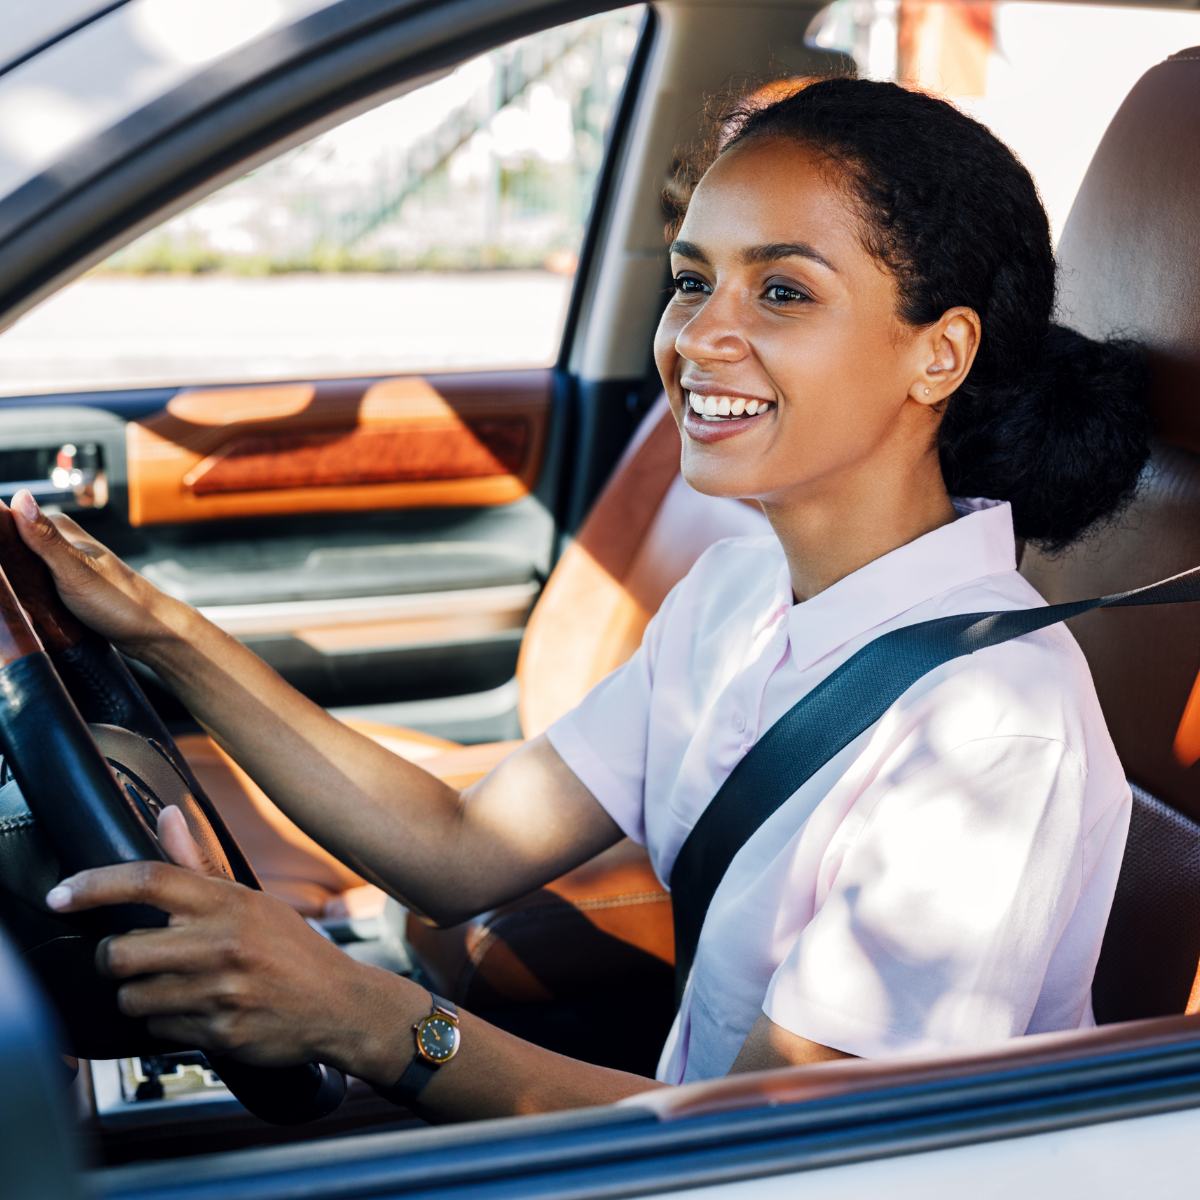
(340, 446)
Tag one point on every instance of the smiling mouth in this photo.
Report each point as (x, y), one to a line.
(726, 408)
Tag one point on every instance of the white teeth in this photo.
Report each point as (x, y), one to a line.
(714, 408)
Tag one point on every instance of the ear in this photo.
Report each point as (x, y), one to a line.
(945, 351)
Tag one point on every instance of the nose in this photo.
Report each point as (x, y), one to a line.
(714, 333)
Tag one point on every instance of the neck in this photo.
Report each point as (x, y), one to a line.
(831, 528)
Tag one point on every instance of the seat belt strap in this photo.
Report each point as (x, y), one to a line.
(844, 704)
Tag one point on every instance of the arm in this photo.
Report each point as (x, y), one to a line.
(445, 853)
(239, 972)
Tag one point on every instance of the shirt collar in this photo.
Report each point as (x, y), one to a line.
(979, 543)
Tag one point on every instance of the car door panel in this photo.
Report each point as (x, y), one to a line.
(339, 445)
(374, 540)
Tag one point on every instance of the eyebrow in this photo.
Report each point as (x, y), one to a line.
(757, 255)
(777, 250)
(687, 250)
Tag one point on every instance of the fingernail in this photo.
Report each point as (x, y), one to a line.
(59, 897)
(27, 505)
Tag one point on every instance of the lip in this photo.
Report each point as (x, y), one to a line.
(700, 430)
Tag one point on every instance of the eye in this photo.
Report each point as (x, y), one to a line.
(785, 293)
(690, 285)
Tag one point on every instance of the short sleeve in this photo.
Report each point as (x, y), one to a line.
(603, 739)
(943, 914)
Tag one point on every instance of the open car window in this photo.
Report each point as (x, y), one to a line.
(437, 232)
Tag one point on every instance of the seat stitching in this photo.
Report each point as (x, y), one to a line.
(545, 898)
(621, 901)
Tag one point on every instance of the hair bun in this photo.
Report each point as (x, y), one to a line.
(1065, 446)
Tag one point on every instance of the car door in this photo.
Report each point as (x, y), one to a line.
(325, 403)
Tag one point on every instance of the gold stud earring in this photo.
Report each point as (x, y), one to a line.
(927, 391)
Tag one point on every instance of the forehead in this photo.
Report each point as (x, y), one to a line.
(773, 190)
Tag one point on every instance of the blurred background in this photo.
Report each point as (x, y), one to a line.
(440, 231)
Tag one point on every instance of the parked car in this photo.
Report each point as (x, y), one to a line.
(449, 559)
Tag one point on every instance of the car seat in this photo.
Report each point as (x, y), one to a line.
(1130, 264)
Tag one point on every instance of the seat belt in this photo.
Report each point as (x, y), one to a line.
(844, 704)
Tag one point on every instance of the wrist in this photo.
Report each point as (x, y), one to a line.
(375, 1040)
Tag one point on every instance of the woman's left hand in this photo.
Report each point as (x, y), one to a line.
(236, 972)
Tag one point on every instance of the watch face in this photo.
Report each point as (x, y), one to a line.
(438, 1038)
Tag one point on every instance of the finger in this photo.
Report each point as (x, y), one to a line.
(163, 885)
(177, 949)
(171, 995)
(177, 841)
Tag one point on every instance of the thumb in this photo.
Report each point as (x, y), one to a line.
(179, 844)
(98, 588)
(41, 534)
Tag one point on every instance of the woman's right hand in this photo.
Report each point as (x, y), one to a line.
(95, 584)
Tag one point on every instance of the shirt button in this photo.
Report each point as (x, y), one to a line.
(739, 722)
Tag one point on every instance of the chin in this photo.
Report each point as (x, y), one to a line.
(718, 479)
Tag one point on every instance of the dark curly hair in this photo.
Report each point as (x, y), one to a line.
(1048, 419)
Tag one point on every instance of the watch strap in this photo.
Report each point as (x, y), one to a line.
(411, 1084)
(420, 1071)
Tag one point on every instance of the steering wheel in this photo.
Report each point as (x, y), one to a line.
(88, 765)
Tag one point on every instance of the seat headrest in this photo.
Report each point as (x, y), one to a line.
(1130, 252)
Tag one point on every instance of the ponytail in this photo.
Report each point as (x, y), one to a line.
(1065, 444)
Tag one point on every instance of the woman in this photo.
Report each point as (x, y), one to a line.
(860, 332)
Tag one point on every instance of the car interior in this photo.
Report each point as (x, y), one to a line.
(449, 561)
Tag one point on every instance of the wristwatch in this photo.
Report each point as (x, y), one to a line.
(438, 1038)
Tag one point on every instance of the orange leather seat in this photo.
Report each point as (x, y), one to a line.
(609, 921)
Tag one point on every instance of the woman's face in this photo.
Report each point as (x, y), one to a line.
(780, 312)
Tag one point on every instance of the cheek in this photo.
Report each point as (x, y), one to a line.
(847, 379)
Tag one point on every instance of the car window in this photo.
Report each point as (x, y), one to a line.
(439, 231)
(1046, 78)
